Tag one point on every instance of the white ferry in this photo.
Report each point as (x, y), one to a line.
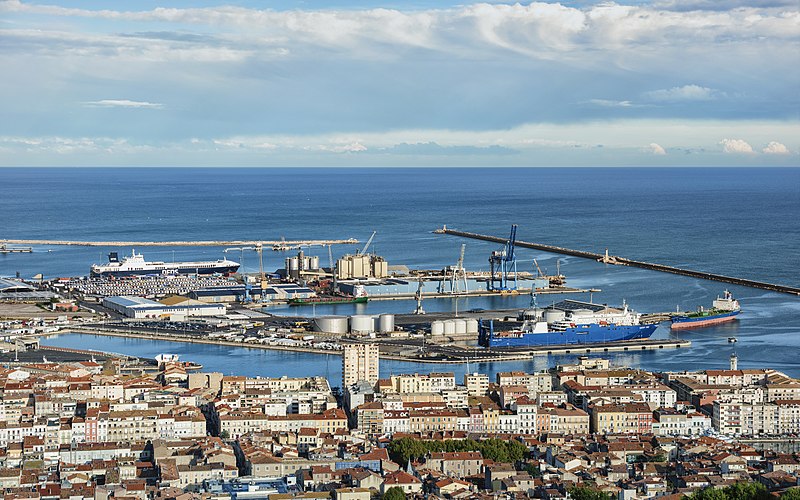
(135, 265)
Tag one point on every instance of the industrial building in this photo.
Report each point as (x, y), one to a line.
(361, 266)
(360, 363)
(19, 291)
(172, 308)
(399, 286)
(246, 293)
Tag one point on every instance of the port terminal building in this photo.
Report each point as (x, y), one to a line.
(408, 286)
(171, 308)
(241, 293)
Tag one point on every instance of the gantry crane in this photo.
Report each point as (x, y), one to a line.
(502, 264)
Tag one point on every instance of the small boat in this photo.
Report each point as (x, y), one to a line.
(732, 340)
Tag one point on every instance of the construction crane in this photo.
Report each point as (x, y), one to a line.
(502, 264)
(262, 276)
(419, 310)
(369, 241)
(458, 275)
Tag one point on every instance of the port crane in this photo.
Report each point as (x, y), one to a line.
(502, 264)
(259, 248)
(457, 275)
(369, 242)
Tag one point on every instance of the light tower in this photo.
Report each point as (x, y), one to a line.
(734, 362)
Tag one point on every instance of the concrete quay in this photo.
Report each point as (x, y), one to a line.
(275, 244)
(622, 261)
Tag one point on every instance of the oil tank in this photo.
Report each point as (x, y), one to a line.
(461, 326)
(362, 323)
(437, 328)
(386, 322)
(331, 324)
(472, 326)
(449, 327)
(553, 315)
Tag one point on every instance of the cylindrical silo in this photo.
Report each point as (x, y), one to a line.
(437, 328)
(362, 323)
(313, 263)
(472, 326)
(331, 324)
(386, 322)
(461, 326)
(449, 327)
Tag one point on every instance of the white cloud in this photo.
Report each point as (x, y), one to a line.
(776, 148)
(353, 147)
(610, 103)
(122, 103)
(656, 149)
(736, 146)
(684, 93)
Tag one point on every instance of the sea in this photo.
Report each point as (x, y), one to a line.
(742, 222)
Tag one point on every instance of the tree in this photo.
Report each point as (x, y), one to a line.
(791, 494)
(747, 491)
(709, 494)
(394, 493)
(584, 493)
(225, 435)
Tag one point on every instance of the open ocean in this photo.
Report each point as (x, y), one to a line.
(742, 222)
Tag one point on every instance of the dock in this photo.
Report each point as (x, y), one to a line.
(4, 248)
(622, 261)
(274, 244)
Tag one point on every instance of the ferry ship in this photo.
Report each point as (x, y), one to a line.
(564, 323)
(723, 309)
(135, 265)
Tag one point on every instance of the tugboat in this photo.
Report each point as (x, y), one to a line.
(723, 309)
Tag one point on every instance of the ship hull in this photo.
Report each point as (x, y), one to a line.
(343, 300)
(166, 270)
(687, 322)
(581, 334)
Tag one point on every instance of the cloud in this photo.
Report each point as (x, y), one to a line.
(353, 147)
(610, 103)
(656, 149)
(122, 103)
(776, 148)
(736, 146)
(432, 148)
(684, 93)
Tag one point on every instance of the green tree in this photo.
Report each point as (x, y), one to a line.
(791, 494)
(747, 491)
(709, 494)
(225, 435)
(394, 493)
(584, 493)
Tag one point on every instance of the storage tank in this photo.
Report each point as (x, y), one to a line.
(386, 323)
(313, 263)
(461, 326)
(294, 263)
(472, 326)
(331, 324)
(362, 323)
(449, 327)
(437, 328)
(553, 315)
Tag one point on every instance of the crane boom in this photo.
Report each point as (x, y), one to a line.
(369, 241)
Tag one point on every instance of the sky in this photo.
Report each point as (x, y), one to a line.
(416, 83)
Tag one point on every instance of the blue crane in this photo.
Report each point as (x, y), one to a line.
(503, 263)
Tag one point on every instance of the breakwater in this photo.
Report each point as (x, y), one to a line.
(622, 261)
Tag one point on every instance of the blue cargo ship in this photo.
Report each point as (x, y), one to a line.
(564, 323)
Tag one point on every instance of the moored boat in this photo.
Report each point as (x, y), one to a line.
(135, 265)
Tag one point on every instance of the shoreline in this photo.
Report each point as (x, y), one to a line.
(531, 353)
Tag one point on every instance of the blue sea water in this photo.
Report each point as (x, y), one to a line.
(739, 222)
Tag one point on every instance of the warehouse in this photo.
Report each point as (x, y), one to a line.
(175, 309)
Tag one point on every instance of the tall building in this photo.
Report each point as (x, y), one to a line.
(359, 362)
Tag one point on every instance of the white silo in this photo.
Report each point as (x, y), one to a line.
(449, 327)
(460, 326)
(386, 323)
(362, 323)
(437, 328)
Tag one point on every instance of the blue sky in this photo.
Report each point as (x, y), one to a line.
(668, 82)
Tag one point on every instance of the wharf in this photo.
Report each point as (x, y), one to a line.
(481, 293)
(622, 261)
(274, 244)
(7, 249)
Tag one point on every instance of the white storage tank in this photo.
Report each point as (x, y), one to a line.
(461, 326)
(449, 327)
(294, 263)
(362, 323)
(313, 263)
(386, 323)
(472, 326)
(331, 324)
(553, 315)
(437, 328)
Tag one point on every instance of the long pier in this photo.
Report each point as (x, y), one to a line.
(622, 261)
(275, 244)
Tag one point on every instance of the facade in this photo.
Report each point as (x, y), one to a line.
(360, 362)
